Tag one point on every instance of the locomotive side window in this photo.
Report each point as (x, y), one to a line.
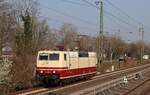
(43, 57)
(65, 57)
(54, 56)
(83, 54)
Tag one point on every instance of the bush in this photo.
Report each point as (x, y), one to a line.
(23, 72)
(5, 68)
(5, 75)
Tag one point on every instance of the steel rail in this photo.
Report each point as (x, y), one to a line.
(98, 77)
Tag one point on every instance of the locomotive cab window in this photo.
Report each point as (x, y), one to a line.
(54, 56)
(43, 57)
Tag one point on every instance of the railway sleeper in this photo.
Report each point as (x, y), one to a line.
(121, 88)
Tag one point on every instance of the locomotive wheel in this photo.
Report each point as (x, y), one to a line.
(55, 80)
(62, 83)
(46, 82)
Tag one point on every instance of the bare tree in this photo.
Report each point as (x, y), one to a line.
(40, 35)
(87, 43)
(21, 6)
(23, 63)
(52, 38)
(68, 34)
(7, 24)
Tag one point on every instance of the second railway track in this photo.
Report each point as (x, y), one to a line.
(78, 87)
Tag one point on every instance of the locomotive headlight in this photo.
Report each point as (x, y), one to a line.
(41, 71)
(54, 72)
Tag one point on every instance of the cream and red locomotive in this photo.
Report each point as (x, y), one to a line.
(60, 66)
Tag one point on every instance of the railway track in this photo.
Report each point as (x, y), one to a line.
(141, 88)
(135, 86)
(79, 87)
(138, 89)
(119, 86)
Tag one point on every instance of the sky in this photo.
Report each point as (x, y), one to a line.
(119, 15)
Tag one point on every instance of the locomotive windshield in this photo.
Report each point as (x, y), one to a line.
(43, 57)
(54, 56)
(49, 56)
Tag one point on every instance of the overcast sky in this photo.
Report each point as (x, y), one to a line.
(86, 18)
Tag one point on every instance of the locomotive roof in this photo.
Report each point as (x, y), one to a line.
(64, 51)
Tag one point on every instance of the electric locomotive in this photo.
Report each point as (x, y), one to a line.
(55, 67)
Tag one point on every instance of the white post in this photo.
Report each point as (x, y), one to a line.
(112, 68)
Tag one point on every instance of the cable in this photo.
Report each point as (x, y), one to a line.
(133, 19)
(114, 21)
(79, 19)
(56, 20)
(109, 13)
(67, 15)
(90, 4)
(120, 19)
(75, 3)
(123, 12)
